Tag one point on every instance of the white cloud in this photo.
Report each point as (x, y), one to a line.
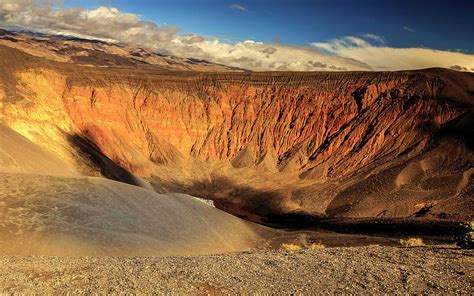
(366, 52)
(238, 7)
(375, 38)
(334, 45)
(381, 57)
(102, 22)
(259, 56)
(408, 29)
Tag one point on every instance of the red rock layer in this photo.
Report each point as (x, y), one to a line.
(320, 125)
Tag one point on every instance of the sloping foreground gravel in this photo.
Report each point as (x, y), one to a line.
(371, 269)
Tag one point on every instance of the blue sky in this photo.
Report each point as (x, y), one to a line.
(445, 25)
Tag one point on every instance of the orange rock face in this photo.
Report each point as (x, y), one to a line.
(322, 125)
(306, 141)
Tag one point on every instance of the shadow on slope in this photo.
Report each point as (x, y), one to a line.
(108, 168)
(460, 128)
(238, 199)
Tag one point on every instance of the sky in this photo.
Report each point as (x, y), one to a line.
(270, 35)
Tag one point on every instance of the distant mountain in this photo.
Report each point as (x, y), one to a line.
(98, 53)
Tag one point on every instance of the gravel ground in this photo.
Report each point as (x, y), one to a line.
(372, 269)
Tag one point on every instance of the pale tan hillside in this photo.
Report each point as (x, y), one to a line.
(48, 215)
(19, 155)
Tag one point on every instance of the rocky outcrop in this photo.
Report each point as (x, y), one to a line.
(316, 136)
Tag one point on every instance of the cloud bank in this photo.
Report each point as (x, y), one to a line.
(366, 52)
(381, 57)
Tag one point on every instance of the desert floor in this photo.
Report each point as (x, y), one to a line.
(368, 269)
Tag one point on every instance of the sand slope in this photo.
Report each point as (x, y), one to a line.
(48, 215)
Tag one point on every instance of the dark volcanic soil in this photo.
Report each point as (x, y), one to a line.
(371, 269)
